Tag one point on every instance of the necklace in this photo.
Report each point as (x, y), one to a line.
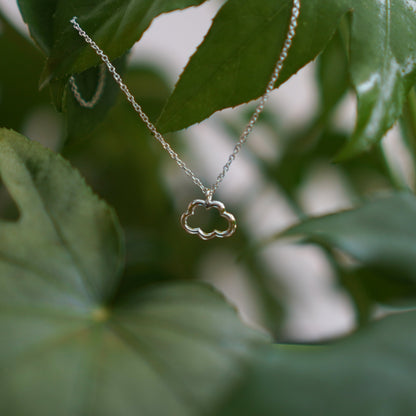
(209, 191)
(98, 92)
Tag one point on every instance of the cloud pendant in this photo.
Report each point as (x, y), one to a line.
(208, 204)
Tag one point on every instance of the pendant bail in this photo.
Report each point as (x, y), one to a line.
(208, 195)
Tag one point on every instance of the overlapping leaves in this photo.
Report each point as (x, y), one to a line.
(114, 24)
(235, 60)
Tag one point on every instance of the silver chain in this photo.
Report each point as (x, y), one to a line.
(208, 191)
(98, 92)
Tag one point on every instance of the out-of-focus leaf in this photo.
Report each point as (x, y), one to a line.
(72, 347)
(66, 248)
(364, 175)
(368, 289)
(380, 234)
(368, 374)
(19, 93)
(381, 288)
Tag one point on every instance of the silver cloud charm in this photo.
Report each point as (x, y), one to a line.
(207, 204)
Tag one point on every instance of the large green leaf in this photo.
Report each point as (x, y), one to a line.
(69, 344)
(368, 374)
(234, 63)
(380, 234)
(65, 249)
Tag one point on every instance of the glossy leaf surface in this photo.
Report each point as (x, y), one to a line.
(381, 60)
(382, 65)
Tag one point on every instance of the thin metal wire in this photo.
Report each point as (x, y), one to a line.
(207, 190)
(98, 92)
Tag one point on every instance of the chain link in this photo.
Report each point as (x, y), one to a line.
(208, 191)
(98, 92)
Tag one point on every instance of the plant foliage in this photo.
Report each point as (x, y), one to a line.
(101, 313)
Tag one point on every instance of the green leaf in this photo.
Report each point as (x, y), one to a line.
(39, 16)
(379, 234)
(368, 374)
(115, 25)
(66, 242)
(383, 67)
(376, 287)
(316, 144)
(70, 346)
(18, 86)
(235, 61)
